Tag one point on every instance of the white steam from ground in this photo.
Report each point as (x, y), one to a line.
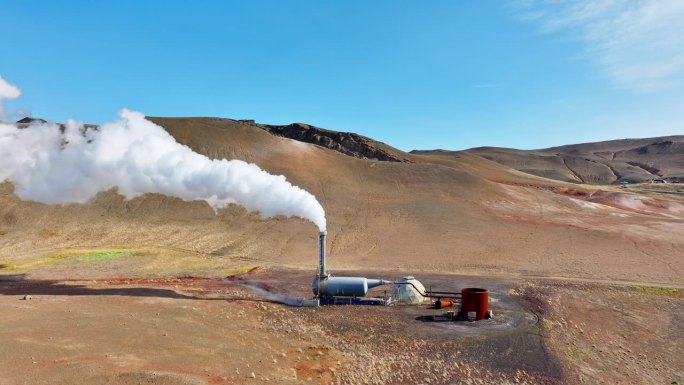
(71, 164)
(271, 296)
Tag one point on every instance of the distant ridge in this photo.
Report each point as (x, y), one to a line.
(609, 162)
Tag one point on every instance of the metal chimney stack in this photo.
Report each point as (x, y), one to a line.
(321, 254)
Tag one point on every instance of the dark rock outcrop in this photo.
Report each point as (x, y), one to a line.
(346, 143)
(29, 120)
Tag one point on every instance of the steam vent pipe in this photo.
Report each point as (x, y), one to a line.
(325, 285)
(321, 254)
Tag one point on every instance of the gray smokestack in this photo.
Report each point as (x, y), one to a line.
(321, 254)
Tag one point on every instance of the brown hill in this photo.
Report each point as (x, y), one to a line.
(447, 211)
(611, 162)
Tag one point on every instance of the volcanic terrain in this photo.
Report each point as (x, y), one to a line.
(586, 275)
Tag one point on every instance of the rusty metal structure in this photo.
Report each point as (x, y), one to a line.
(475, 300)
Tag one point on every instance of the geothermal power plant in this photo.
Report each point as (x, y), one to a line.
(473, 303)
(327, 286)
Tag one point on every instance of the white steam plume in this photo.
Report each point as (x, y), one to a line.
(7, 91)
(135, 156)
(275, 297)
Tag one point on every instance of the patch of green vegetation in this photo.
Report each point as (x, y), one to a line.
(76, 256)
(147, 262)
(3, 232)
(571, 353)
(93, 256)
(238, 271)
(658, 290)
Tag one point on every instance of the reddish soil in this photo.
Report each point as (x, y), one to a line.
(209, 331)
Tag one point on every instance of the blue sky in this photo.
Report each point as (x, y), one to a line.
(414, 74)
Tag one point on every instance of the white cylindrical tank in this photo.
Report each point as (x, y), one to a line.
(344, 286)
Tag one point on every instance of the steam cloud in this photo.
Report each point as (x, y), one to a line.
(71, 165)
(275, 297)
(7, 91)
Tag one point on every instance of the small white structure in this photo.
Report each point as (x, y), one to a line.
(408, 291)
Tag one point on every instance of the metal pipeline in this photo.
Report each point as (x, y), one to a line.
(430, 293)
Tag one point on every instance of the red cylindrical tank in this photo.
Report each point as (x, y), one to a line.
(475, 299)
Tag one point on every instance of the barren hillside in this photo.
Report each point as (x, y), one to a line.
(449, 212)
